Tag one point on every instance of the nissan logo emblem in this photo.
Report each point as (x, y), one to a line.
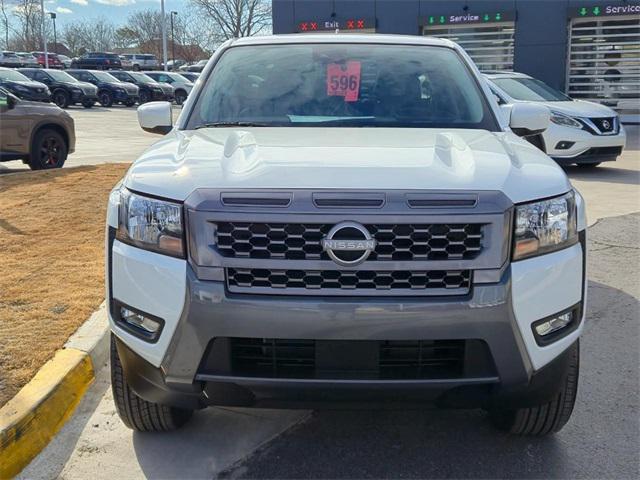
(606, 125)
(348, 244)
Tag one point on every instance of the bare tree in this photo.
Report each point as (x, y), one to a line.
(4, 6)
(98, 35)
(28, 34)
(236, 18)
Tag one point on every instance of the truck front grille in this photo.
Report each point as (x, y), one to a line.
(395, 242)
(347, 359)
(341, 280)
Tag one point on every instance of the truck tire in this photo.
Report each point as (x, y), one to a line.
(136, 413)
(547, 418)
(60, 98)
(48, 150)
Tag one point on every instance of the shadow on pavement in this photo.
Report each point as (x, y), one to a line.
(600, 441)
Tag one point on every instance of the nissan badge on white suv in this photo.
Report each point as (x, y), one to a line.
(345, 220)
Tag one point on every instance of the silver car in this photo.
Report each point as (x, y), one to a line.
(9, 59)
(142, 61)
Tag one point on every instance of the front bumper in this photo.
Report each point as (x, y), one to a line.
(33, 96)
(171, 370)
(585, 148)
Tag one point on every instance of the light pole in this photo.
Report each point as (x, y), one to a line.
(55, 37)
(173, 42)
(44, 36)
(164, 36)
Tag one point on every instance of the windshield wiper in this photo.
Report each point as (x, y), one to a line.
(232, 124)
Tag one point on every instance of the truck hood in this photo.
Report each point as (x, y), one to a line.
(345, 158)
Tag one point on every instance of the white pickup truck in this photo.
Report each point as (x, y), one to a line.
(345, 220)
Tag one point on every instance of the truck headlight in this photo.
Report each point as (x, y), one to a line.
(151, 224)
(545, 226)
(564, 120)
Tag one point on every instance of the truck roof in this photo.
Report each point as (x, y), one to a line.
(344, 38)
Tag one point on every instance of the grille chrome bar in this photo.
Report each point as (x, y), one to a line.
(347, 282)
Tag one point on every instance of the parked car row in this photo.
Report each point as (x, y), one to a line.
(32, 60)
(86, 87)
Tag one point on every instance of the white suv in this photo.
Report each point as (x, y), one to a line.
(582, 133)
(339, 219)
(182, 86)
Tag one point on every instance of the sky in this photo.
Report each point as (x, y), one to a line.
(115, 10)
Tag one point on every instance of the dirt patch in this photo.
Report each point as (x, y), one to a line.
(51, 263)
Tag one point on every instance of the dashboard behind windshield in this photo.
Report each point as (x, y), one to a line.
(356, 85)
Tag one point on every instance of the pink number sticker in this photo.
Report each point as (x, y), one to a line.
(343, 80)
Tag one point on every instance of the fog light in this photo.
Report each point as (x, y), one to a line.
(554, 324)
(138, 320)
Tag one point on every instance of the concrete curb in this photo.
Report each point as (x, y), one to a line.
(31, 419)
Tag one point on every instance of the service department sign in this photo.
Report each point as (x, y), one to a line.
(605, 10)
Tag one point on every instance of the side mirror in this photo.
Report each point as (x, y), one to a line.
(529, 119)
(155, 117)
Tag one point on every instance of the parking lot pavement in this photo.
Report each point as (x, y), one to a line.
(602, 439)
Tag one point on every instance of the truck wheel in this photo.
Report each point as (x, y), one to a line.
(105, 99)
(61, 98)
(547, 418)
(180, 97)
(136, 413)
(129, 103)
(88, 103)
(48, 150)
(136, 68)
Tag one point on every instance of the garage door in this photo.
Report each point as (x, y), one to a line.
(604, 63)
(490, 45)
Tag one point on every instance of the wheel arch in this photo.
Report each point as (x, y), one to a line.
(48, 125)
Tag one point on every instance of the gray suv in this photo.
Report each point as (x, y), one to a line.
(142, 61)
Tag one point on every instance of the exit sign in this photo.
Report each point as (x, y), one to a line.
(457, 19)
(605, 10)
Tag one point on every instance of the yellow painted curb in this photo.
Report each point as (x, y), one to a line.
(30, 420)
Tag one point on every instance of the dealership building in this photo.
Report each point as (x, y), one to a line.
(588, 49)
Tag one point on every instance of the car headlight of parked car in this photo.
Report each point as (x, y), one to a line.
(21, 88)
(564, 120)
(545, 226)
(76, 90)
(150, 224)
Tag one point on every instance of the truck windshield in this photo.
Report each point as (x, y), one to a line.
(530, 90)
(355, 85)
